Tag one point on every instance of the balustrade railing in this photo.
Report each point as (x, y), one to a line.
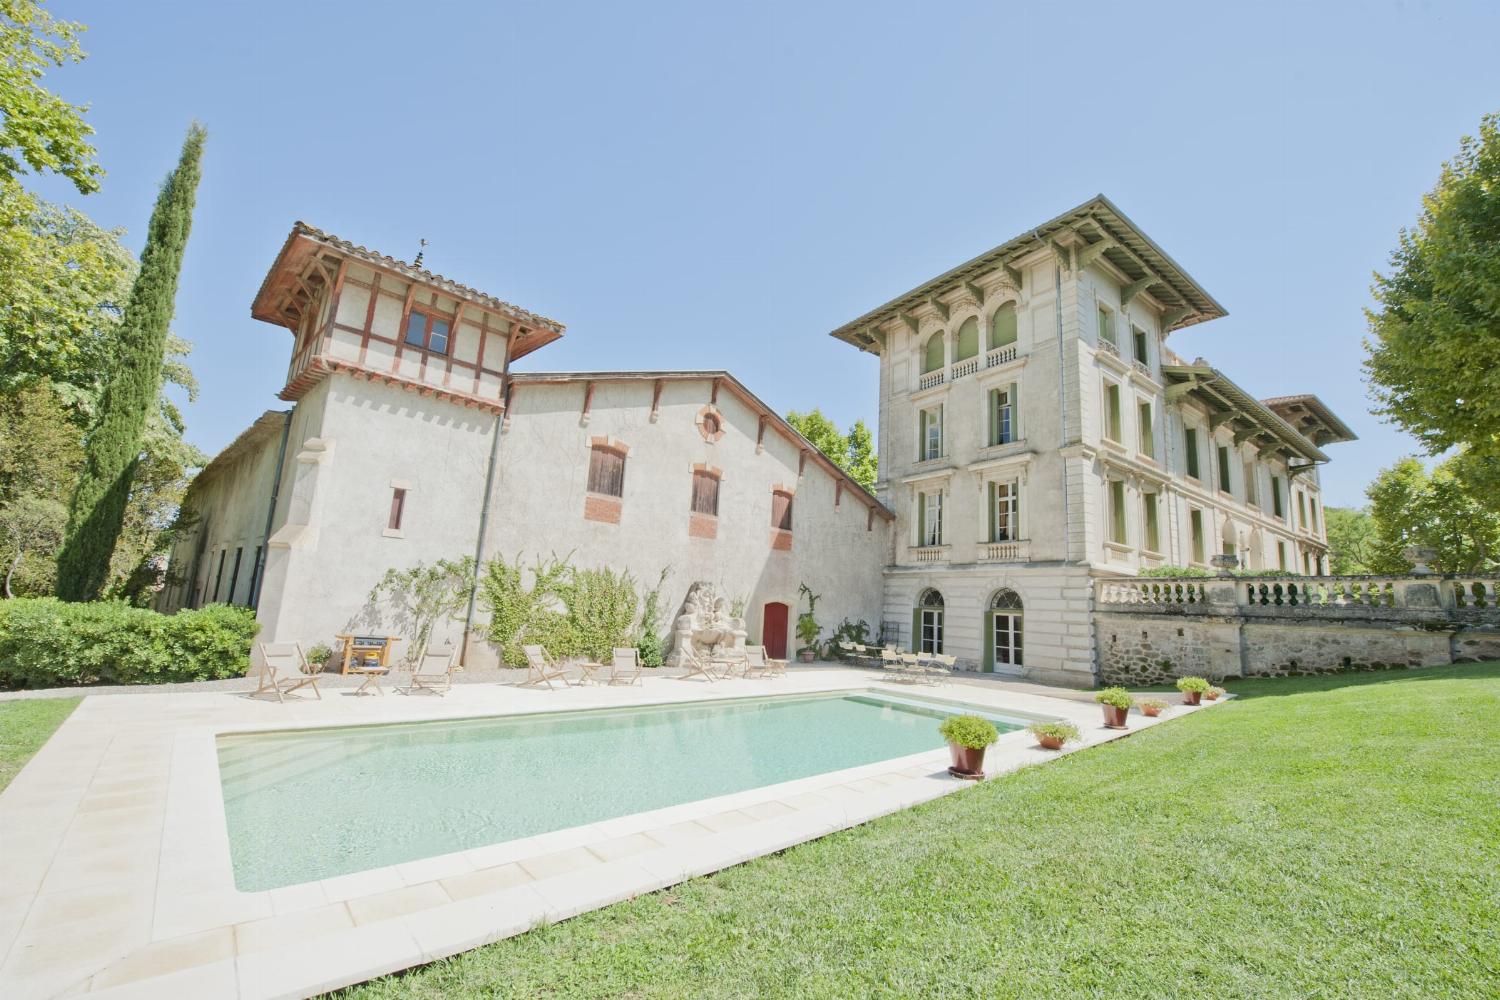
(1000, 356)
(1420, 595)
(1320, 592)
(1471, 593)
(968, 366)
(1152, 592)
(1017, 551)
(931, 379)
(930, 554)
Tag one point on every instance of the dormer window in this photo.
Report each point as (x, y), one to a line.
(427, 331)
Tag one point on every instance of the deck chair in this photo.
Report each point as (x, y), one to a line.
(758, 664)
(891, 663)
(434, 671)
(540, 669)
(627, 664)
(283, 669)
(939, 668)
(695, 665)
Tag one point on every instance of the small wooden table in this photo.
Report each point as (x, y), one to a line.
(371, 675)
(362, 650)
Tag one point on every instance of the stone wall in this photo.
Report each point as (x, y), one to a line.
(1150, 632)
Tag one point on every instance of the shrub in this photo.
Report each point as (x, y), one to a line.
(1198, 684)
(320, 654)
(1153, 703)
(1065, 731)
(808, 628)
(1115, 697)
(1175, 573)
(969, 731)
(422, 596)
(1214, 693)
(857, 632)
(45, 642)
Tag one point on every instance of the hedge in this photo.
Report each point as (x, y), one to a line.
(45, 642)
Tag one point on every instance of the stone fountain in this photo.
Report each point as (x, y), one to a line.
(706, 626)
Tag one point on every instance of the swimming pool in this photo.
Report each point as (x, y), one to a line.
(313, 804)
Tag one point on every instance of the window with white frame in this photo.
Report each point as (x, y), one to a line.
(929, 631)
(1117, 529)
(1146, 443)
(1112, 430)
(1149, 522)
(930, 517)
(1002, 407)
(1138, 342)
(1107, 326)
(1252, 486)
(930, 433)
(1005, 511)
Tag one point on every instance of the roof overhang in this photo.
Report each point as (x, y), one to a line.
(1312, 417)
(721, 380)
(310, 260)
(1095, 230)
(269, 424)
(1252, 421)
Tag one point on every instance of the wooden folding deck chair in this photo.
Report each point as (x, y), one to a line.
(757, 664)
(434, 671)
(283, 669)
(540, 668)
(695, 666)
(627, 664)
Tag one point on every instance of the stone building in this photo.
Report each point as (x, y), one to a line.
(409, 440)
(1036, 434)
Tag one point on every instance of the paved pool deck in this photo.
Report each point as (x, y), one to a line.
(116, 879)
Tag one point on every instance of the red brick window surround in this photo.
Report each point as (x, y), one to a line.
(710, 424)
(781, 517)
(606, 480)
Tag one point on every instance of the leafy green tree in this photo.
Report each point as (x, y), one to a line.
(1351, 532)
(113, 448)
(40, 454)
(1433, 357)
(422, 596)
(40, 131)
(63, 281)
(1409, 507)
(853, 452)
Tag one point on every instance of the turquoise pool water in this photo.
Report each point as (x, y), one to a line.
(315, 804)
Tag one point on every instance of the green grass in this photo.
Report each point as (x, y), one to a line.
(1322, 837)
(24, 726)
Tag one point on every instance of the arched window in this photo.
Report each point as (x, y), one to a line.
(932, 354)
(968, 340)
(927, 623)
(1003, 326)
(1003, 631)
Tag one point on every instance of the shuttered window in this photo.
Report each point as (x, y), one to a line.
(1190, 446)
(606, 471)
(968, 340)
(1148, 515)
(781, 510)
(705, 493)
(1117, 511)
(1003, 415)
(930, 434)
(1224, 482)
(1005, 509)
(1003, 326)
(1147, 432)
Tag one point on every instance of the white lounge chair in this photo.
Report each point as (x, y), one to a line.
(627, 665)
(939, 667)
(540, 669)
(434, 671)
(283, 669)
(891, 663)
(758, 664)
(695, 666)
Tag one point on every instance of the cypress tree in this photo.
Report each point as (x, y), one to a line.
(113, 448)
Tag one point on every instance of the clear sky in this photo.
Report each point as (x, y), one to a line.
(696, 186)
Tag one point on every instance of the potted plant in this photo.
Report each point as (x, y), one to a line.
(1193, 689)
(808, 628)
(1151, 706)
(968, 736)
(1214, 693)
(1116, 702)
(319, 656)
(1052, 735)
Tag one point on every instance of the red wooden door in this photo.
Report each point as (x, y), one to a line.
(773, 630)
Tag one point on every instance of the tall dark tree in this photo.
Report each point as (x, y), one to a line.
(113, 449)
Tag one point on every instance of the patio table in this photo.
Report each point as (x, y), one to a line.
(371, 675)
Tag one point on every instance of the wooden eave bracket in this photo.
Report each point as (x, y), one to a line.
(656, 402)
(911, 322)
(1135, 288)
(588, 401)
(1014, 274)
(940, 307)
(760, 436)
(1172, 317)
(1065, 255)
(1181, 389)
(1091, 253)
(975, 290)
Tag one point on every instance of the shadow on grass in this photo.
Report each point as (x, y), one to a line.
(1280, 687)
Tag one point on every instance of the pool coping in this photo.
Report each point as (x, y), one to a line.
(203, 937)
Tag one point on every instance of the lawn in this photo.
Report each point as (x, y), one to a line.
(1314, 838)
(24, 726)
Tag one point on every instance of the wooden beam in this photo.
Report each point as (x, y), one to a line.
(760, 436)
(801, 463)
(588, 400)
(713, 398)
(1135, 288)
(838, 492)
(656, 401)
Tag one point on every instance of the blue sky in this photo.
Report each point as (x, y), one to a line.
(699, 186)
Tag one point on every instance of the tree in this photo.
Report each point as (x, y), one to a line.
(40, 454)
(63, 282)
(40, 131)
(113, 448)
(854, 452)
(1433, 358)
(1351, 532)
(1409, 507)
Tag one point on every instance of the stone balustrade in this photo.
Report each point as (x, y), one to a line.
(997, 552)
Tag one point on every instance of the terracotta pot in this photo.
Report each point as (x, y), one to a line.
(1192, 697)
(1114, 718)
(1050, 742)
(967, 761)
(1150, 710)
(1211, 696)
(806, 656)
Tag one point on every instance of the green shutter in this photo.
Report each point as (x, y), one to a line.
(992, 492)
(988, 623)
(994, 398)
(968, 339)
(921, 518)
(1015, 411)
(916, 630)
(932, 355)
(942, 440)
(1003, 326)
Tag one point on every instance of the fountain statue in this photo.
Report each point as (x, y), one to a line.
(707, 626)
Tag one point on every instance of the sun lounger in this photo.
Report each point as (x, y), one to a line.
(434, 671)
(757, 664)
(627, 665)
(540, 668)
(283, 669)
(891, 663)
(695, 665)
